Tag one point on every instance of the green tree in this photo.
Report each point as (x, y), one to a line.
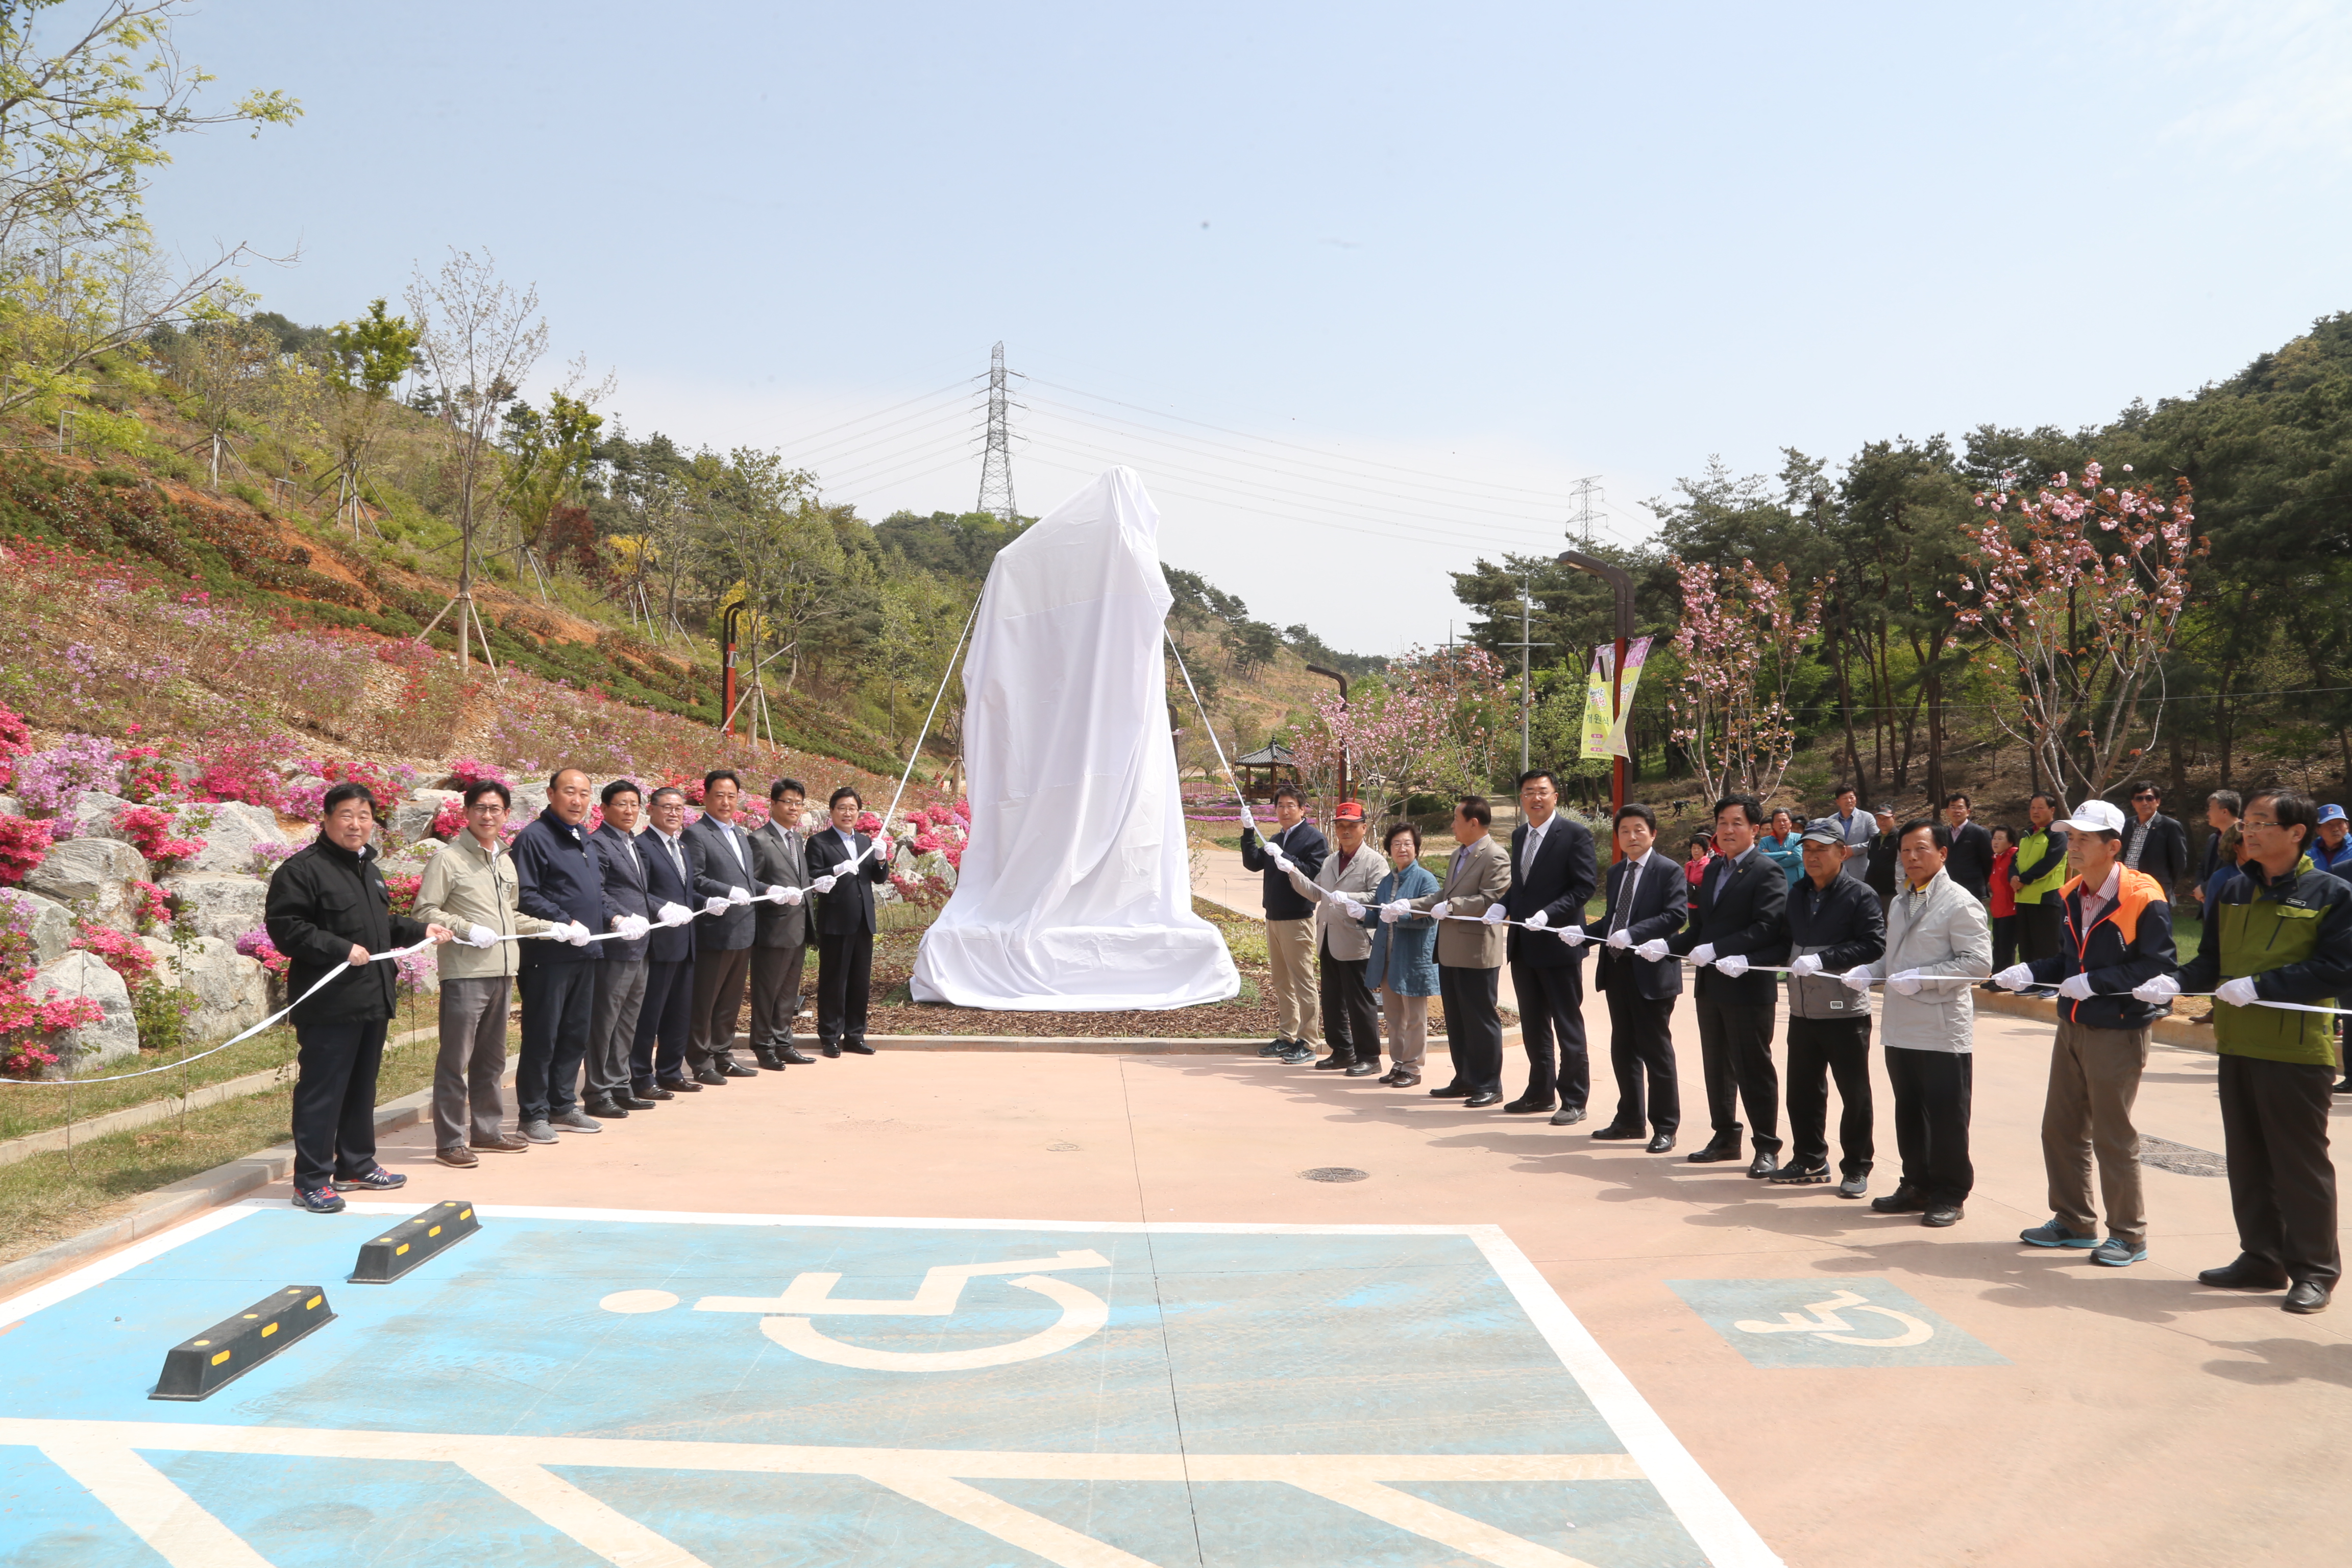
(363, 361)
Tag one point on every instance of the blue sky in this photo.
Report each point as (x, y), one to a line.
(1362, 291)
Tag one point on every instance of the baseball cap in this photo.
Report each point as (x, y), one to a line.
(2096, 816)
(1348, 811)
(2331, 814)
(1823, 833)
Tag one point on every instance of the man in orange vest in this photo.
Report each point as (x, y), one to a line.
(2115, 934)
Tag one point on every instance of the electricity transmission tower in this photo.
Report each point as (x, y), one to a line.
(996, 469)
(1587, 491)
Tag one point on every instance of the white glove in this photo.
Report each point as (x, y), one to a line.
(1703, 954)
(788, 897)
(739, 895)
(1620, 939)
(1281, 862)
(1573, 935)
(1355, 911)
(580, 934)
(1396, 910)
(1731, 964)
(632, 927)
(1538, 920)
(1858, 978)
(2075, 988)
(1653, 949)
(1907, 982)
(2239, 992)
(2163, 988)
(1495, 915)
(479, 936)
(1804, 964)
(714, 906)
(825, 884)
(775, 893)
(676, 915)
(2016, 977)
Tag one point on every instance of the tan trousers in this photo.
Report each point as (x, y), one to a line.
(1408, 1022)
(1290, 953)
(2093, 1079)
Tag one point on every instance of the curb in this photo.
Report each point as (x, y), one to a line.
(2167, 1031)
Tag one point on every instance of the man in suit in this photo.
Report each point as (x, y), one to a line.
(780, 940)
(725, 882)
(1289, 923)
(1469, 953)
(845, 922)
(1970, 864)
(666, 1022)
(2153, 844)
(1737, 922)
(1649, 898)
(621, 977)
(1552, 876)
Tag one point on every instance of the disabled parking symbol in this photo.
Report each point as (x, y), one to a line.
(1830, 1322)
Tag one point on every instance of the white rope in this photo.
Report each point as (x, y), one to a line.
(1247, 818)
(846, 867)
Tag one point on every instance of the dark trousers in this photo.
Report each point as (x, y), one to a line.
(613, 1028)
(719, 977)
(1641, 1044)
(2037, 929)
(335, 1100)
(1820, 1048)
(844, 974)
(1351, 1024)
(1474, 1029)
(1932, 1094)
(664, 1019)
(559, 1003)
(775, 995)
(1735, 1044)
(2282, 1184)
(2004, 941)
(1552, 1030)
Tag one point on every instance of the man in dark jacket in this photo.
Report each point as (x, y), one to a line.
(1289, 923)
(620, 990)
(561, 881)
(780, 937)
(2153, 842)
(1885, 850)
(665, 1021)
(2281, 932)
(1834, 924)
(2116, 935)
(327, 910)
(1970, 861)
(1736, 918)
(1552, 874)
(845, 922)
(727, 881)
(1649, 899)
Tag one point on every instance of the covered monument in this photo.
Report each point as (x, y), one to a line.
(1075, 891)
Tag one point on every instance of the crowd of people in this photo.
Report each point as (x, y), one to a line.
(632, 946)
(1922, 912)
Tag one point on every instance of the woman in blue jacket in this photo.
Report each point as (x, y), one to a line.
(1404, 965)
(1784, 846)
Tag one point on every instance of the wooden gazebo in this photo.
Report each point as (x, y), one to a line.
(1262, 770)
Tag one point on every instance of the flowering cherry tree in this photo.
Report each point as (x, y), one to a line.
(1430, 725)
(2080, 591)
(1742, 644)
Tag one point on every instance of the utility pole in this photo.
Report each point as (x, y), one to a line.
(996, 469)
(1527, 615)
(1587, 490)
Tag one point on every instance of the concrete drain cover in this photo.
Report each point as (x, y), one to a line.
(2165, 1155)
(1334, 1173)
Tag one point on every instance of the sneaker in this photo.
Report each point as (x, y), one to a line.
(1274, 1047)
(461, 1157)
(538, 1130)
(2056, 1235)
(1805, 1173)
(319, 1200)
(375, 1179)
(575, 1121)
(1854, 1186)
(1296, 1054)
(2118, 1253)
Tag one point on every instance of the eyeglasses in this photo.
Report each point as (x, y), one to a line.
(2148, 797)
(2248, 824)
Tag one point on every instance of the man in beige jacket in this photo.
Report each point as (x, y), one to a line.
(470, 887)
(1470, 948)
(1343, 947)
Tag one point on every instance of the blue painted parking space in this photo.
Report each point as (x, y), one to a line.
(1857, 1322)
(574, 1389)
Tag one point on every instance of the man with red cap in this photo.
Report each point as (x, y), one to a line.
(1343, 944)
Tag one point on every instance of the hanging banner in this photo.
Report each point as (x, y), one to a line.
(1605, 736)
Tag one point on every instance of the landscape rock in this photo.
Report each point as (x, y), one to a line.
(88, 874)
(412, 819)
(231, 990)
(530, 800)
(93, 817)
(230, 830)
(11, 807)
(50, 922)
(113, 1037)
(218, 904)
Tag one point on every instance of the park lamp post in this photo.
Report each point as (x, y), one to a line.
(1335, 675)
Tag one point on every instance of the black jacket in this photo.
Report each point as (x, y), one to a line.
(717, 870)
(321, 900)
(2129, 946)
(665, 884)
(1306, 848)
(780, 857)
(1844, 925)
(1560, 883)
(1739, 911)
(559, 880)
(1970, 861)
(2165, 855)
(1878, 871)
(621, 859)
(849, 908)
(1661, 902)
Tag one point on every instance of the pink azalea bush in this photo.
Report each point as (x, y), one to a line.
(146, 775)
(126, 955)
(150, 906)
(449, 821)
(256, 944)
(23, 845)
(27, 1022)
(155, 835)
(469, 772)
(15, 740)
(51, 781)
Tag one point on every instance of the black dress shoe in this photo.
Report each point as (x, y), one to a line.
(1363, 1069)
(2306, 1296)
(709, 1077)
(1763, 1165)
(734, 1068)
(1803, 1173)
(681, 1085)
(857, 1047)
(1714, 1155)
(1405, 1078)
(1527, 1104)
(606, 1111)
(2245, 1274)
(1451, 1091)
(651, 1095)
(1663, 1143)
(1482, 1100)
(1940, 1214)
(792, 1055)
(767, 1058)
(829, 1050)
(635, 1101)
(1335, 1062)
(1902, 1200)
(1615, 1135)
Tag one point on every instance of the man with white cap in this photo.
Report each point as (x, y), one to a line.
(2117, 926)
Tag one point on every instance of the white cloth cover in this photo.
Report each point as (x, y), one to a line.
(1076, 890)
